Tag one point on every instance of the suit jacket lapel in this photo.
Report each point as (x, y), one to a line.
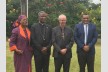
(65, 33)
(89, 27)
(82, 31)
(40, 32)
(59, 32)
(46, 30)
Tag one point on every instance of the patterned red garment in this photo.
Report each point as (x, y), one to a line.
(20, 39)
(16, 24)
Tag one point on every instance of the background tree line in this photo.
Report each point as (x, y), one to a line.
(71, 8)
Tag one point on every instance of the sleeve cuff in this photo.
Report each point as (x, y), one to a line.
(12, 48)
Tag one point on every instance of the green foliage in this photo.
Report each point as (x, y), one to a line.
(71, 8)
(12, 13)
(95, 15)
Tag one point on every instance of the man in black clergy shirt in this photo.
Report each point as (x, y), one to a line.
(41, 34)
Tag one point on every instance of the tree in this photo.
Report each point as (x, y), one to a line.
(12, 13)
(71, 8)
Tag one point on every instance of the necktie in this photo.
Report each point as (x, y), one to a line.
(62, 30)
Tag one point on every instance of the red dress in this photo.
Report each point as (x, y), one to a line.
(20, 39)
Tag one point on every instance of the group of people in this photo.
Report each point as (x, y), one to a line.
(41, 36)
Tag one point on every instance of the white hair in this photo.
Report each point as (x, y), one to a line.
(61, 16)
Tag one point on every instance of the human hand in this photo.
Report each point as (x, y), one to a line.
(19, 51)
(63, 51)
(44, 50)
(86, 48)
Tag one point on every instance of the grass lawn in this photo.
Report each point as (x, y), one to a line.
(74, 67)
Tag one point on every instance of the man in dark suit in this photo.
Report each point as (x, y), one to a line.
(62, 39)
(85, 36)
(41, 34)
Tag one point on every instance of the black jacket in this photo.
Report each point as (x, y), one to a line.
(37, 41)
(57, 41)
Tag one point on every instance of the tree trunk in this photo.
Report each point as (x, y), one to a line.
(24, 7)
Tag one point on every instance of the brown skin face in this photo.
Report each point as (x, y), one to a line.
(24, 21)
(85, 19)
(42, 17)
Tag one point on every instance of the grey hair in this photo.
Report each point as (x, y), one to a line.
(42, 12)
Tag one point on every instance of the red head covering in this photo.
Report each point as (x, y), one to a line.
(17, 22)
(21, 17)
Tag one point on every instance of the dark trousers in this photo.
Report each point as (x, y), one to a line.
(42, 63)
(83, 59)
(62, 60)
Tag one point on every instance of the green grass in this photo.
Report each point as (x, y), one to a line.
(74, 67)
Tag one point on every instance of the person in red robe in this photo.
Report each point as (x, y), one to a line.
(20, 44)
(16, 24)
